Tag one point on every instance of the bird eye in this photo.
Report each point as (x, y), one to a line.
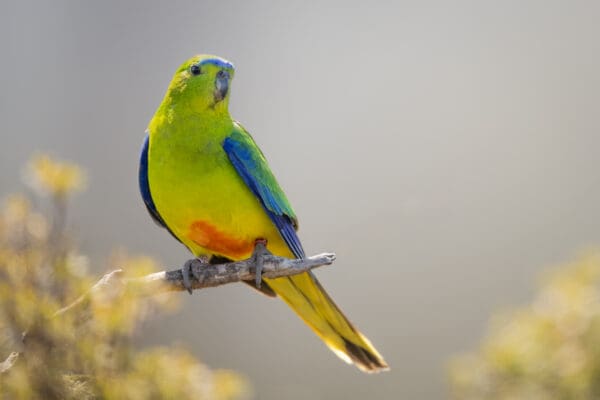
(195, 69)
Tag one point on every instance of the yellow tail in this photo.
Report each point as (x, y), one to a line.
(305, 295)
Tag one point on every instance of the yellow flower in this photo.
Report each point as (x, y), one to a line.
(57, 178)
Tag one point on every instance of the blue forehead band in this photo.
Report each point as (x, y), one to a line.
(218, 62)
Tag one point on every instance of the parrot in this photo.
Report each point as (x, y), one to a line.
(204, 179)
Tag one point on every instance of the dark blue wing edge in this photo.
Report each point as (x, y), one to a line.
(237, 153)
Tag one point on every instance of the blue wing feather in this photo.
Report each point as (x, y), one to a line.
(253, 169)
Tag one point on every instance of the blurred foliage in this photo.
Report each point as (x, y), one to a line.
(547, 350)
(86, 352)
(58, 179)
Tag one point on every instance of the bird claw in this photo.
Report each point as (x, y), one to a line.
(188, 269)
(260, 251)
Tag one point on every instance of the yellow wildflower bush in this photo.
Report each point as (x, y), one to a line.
(57, 178)
(547, 350)
(86, 351)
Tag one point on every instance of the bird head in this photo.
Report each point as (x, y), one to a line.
(202, 83)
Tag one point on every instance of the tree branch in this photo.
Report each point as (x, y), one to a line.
(220, 274)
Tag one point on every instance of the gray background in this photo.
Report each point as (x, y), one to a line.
(446, 151)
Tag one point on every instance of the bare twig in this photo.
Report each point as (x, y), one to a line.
(221, 274)
(203, 276)
(9, 362)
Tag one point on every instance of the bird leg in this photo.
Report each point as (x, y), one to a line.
(191, 268)
(260, 251)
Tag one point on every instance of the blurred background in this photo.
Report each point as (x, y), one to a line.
(446, 152)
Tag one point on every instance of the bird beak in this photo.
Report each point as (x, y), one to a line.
(221, 85)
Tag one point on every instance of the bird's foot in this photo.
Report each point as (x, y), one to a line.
(260, 251)
(191, 268)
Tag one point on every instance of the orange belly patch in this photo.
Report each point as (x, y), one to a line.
(208, 236)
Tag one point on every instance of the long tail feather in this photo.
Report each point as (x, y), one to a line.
(305, 295)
